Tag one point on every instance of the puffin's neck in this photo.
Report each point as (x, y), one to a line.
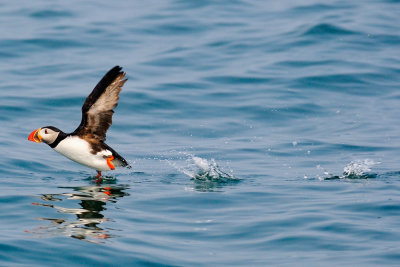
(61, 136)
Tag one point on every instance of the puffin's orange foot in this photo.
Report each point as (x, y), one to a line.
(109, 163)
(98, 177)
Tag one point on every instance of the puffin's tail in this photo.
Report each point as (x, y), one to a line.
(120, 162)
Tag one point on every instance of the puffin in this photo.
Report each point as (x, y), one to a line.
(86, 145)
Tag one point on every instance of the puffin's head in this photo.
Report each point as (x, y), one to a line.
(46, 135)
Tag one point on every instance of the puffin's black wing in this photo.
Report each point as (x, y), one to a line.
(98, 108)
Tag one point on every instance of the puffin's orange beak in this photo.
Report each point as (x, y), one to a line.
(35, 136)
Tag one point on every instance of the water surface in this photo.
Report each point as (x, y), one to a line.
(260, 133)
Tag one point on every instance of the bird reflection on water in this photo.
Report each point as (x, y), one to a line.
(89, 216)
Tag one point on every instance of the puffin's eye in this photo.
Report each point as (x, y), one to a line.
(45, 131)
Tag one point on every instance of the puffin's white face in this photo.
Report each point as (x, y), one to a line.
(45, 135)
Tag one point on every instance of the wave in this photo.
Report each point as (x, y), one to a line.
(327, 29)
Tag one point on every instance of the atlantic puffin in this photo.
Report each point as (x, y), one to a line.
(86, 145)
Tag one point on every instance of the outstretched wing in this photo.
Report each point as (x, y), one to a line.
(98, 108)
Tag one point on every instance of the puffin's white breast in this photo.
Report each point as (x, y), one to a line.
(78, 150)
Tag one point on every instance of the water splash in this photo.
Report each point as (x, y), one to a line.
(357, 169)
(201, 169)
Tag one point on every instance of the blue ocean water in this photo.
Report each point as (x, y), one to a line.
(261, 133)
